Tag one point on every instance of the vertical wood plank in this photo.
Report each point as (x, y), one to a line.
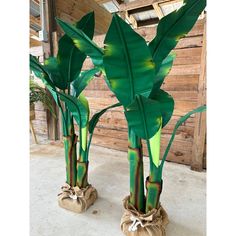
(200, 119)
(49, 50)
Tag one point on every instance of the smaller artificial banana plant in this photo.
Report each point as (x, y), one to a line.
(134, 72)
(63, 78)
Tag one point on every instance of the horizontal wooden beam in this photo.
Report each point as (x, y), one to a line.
(167, 2)
(140, 9)
(101, 1)
(117, 2)
(151, 21)
(131, 19)
(137, 4)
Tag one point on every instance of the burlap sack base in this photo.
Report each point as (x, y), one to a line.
(152, 223)
(76, 199)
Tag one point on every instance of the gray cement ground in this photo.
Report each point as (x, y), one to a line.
(183, 196)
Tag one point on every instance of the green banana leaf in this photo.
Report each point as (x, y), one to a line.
(144, 117)
(83, 42)
(52, 68)
(41, 73)
(167, 103)
(179, 122)
(93, 122)
(87, 24)
(173, 27)
(82, 81)
(127, 61)
(36, 67)
(70, 59)
(78, 107)
(162, 73)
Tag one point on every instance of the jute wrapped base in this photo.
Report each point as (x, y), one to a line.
(152, 223)
(76, 199)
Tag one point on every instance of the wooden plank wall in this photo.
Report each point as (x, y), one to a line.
(182, 84)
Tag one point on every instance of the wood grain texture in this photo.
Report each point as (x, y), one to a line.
(197, 162)
(73, 10)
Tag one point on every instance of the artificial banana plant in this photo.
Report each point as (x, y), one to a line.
(63, 78)
(134, 71)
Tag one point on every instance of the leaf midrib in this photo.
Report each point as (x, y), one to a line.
(73, 49)
(127, 57)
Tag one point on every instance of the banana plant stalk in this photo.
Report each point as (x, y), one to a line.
(63, 77)
(134, 71)
(135, 157)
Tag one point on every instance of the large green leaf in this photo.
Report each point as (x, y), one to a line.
(173, 27)
(82, 81)
(70, 58)
(39, 71)
(78, 107)
(162, 73)
(83, 42)
(144, 117)
(179, 122)
(52, 68)
(166, 105)
(93, 122)
(127, 61)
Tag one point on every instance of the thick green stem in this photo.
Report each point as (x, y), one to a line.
(82, 174)
(71, 159)
(82, 164)
(153, 194)
(135, 157)
(153, 182)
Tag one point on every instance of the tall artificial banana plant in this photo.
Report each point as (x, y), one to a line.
(134, 71)
(63, 78)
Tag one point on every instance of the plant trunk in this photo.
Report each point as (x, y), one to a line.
(70, 143)
(154, 188)
(135, 157)
(82, 164)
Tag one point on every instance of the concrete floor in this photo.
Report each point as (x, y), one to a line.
(183, 196)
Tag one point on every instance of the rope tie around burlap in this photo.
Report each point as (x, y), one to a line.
(134, 223)
(77, 199)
